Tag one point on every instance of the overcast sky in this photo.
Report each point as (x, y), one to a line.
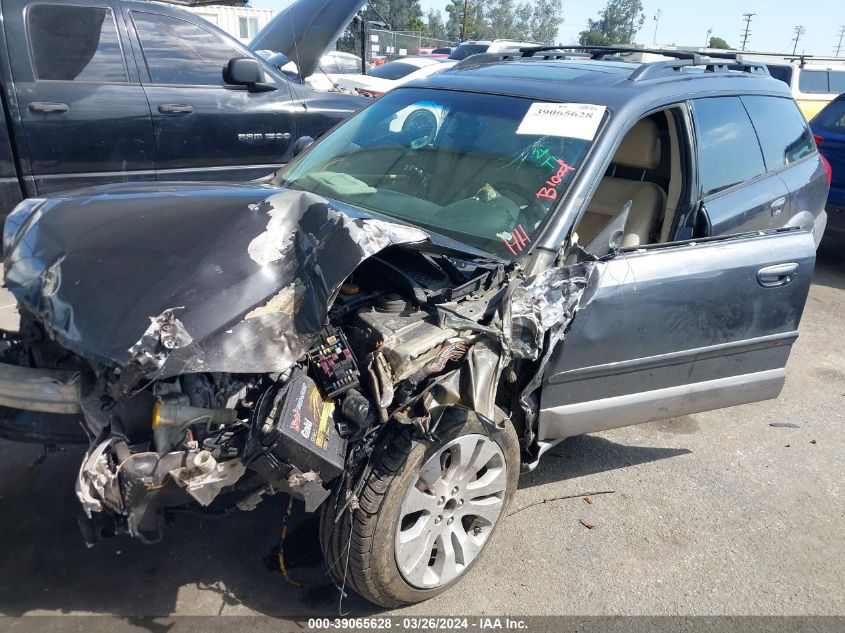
(686, 23)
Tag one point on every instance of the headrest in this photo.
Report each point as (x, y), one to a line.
(641, 147)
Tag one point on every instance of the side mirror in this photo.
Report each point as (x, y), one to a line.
(609, 237)
(245, 71)
(301, 144)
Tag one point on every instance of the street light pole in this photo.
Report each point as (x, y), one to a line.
(464, 23)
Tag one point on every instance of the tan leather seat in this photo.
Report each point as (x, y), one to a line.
(640, 149)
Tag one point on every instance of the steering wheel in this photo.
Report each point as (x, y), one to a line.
(420, 127)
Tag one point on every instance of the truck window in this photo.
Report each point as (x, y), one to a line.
(72, 43)
(179, 52)
(728, 151)
(783, 133)
(813, 82)
(837, 81)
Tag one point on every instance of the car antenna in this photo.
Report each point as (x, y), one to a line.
(296, 54)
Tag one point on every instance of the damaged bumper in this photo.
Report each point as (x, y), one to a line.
(43, 390)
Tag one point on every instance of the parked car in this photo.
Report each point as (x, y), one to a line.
(829, 131)
(404, 317)
(332, 64)
(390, 75)
(813, 85)
(137, 91)
(474, 47)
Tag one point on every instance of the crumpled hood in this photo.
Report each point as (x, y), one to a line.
(186, 278)
(305, 30)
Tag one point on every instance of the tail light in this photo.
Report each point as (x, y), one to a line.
(368, 93)
(818, 139)
(828, 170)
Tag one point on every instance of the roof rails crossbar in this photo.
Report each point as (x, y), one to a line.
(504, 56)
(601, 51)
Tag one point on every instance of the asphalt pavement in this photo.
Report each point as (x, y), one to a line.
(720, 513)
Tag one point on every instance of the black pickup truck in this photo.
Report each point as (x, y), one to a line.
(105, 91)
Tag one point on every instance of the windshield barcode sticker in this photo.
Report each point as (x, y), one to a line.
(572, 120)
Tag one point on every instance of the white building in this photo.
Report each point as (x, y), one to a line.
(240, 22)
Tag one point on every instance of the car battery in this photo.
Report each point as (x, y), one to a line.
(296, 428)
(333, 364)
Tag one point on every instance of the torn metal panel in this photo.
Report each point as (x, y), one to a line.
(260, 284)
(542, 312)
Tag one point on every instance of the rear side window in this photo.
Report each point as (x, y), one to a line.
(832, 118)
(781, 73)
(179, 52)
(813, 82)
(728, 151)
(782, 131)
(71, 43)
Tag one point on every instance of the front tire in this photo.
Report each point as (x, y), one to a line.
(426, 511)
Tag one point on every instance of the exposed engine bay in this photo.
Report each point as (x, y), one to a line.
(223, 441)
(311, 331)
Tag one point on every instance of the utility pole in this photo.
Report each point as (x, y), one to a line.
(799, 31)
(841, 35)
(464, 23)
(656, 22)
(707, 38)
(747, 17)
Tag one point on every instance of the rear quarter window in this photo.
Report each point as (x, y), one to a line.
(783, 134)
(728, 151)
(781, 73)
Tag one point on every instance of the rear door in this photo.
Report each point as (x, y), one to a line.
(789, 151)
(737, 191)
(204, 128)
(85, 116)
(679, 328)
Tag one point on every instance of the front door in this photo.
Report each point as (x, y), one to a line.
(86, 119)
(679, 328)
(204, 128)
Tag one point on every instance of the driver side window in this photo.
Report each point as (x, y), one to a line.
(179, 52)
(645, 181)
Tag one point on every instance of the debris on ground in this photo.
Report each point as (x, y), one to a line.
(588, 501)
(784, 425)
(549, 500)
(589, 526)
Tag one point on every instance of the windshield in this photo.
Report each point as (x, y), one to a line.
(482, 169)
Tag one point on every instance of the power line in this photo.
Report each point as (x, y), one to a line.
(747, 17)
(841, 35)
(799, 31)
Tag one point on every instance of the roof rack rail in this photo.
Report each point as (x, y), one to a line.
(601, 51)
(487, 58)
(715, 63)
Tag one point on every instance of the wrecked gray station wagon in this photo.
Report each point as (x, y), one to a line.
(512, 252)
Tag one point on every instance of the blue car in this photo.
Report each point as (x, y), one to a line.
(829, 131)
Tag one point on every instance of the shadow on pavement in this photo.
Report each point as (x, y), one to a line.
(587, 455)
(830, 261)
(201, 564)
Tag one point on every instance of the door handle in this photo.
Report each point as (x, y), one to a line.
(175, 108)
(48, 106)
(777, 275)
(777, 205)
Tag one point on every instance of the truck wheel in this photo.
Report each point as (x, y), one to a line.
(426, 511)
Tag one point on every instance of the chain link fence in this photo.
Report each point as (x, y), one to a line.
(376, 45)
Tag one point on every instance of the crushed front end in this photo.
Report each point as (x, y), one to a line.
(267, 352)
